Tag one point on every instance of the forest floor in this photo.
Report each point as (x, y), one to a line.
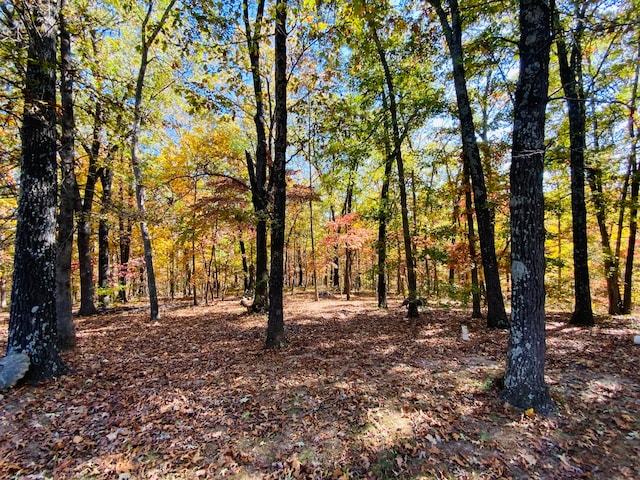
(357, 393)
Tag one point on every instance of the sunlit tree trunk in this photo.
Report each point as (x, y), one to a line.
(147, 39)
(635, 187)
(496, 313)
(524, 384)
(594, 176)
(32, 320)
(397, 151)
(311, 233)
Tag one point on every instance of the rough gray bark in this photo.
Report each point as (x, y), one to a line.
(275, 327)
(524, 384)
(68, 193)
(33, 319)
(572, 84)
(397, 152)
(496, 313)
(258, 170)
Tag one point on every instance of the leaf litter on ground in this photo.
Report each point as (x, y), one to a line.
(357, 393)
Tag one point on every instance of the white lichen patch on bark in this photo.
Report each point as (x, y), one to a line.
(519, 271)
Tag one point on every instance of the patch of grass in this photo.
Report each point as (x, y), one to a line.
(307, 455)
(385, 464)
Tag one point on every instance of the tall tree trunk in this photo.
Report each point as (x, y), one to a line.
(68, 193)
(311, 234)
(611, 256)
(633, 230)
(245, 268)
(496, 313)
(172, 274)
(471, 237)
(635, 187)
(275, 327)
(300, 267)
(258, 171)
(348, 258)
(104, 270)
(335, 268)
(572, 84)
(85, 258)
(193, 245)
(124, 235)
(594, 176)
(524, 384)
(32, 320)
(383, 220)
(146, 41)
(397, 150)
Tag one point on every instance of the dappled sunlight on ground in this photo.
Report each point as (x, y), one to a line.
(357, 393)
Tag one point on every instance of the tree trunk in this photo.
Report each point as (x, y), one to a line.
(335, 267)
(348, 260)
(104, 272)
(245, 268)
(496, 313)
(275, 328)
(33, 319)
(524, 385)
(610, 261)
(68, 193)
(471, 238)
(572, 84)
(193, 245)
(124, 235)
(258, 172)
(397, 150)
(635, 187)
(85, 260)
(300, 267)
(633, 230)
(311, 232)
(383, 220)
(172, 274)
(146, 41)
